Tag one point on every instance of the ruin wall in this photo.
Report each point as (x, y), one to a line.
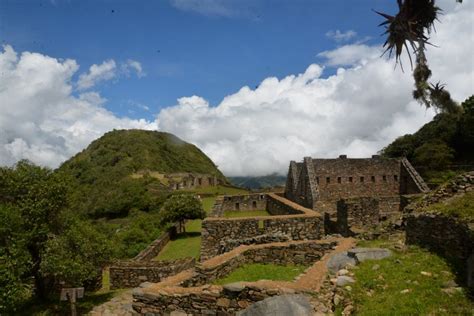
(247, 202)
(128, 274)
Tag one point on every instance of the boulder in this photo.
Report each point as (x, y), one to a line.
(362, 254)
(283, 305)
(340, 261)
(344, 280)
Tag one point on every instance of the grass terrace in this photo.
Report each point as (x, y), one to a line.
(411, 282)
(258, 271)
(462, 206)
(252, 213)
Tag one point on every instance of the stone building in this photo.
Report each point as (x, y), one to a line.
(185, 180)
(319, 183)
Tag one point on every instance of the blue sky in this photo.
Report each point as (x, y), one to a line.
(210, 52)
(252, 83)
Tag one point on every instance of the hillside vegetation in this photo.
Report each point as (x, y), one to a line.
(103, 176)
(440, 147)
(253, 183)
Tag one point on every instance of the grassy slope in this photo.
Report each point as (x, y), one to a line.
(253, 213)
(257, 271)
(101, 175)
(462, 206)
(379, 291)
(189, 244)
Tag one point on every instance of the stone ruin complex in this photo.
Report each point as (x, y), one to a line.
(187, 180)
(347, 184)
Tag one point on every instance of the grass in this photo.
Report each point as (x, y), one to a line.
(462, 206)
(207, 203)
(219, 190)
(380, 291)
(257, 271)
(252, 213)
(185, 245)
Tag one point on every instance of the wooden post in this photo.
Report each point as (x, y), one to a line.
(71, 294)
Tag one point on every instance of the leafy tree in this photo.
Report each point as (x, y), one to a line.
(38, 195)
(76, 255)
(412, 26)
(435, 155)
(180, 207)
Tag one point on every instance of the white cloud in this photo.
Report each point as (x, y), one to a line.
(103, 72)
(357, 111)
(221, 8)
(135, 66)
(40, 119)
(339, 36)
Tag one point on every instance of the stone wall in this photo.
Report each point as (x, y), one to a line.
(204, 300)
(156, 246)
(357, 214)
(448, 236)
(297, 253)
(247, 202)
(304, 224)
(128, 274)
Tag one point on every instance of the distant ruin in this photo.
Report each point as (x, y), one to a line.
(319, 184)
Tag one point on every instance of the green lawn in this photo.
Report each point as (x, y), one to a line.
(207, 203)
(219, 190)
(257, 271)
(398, 286)
(253, 213)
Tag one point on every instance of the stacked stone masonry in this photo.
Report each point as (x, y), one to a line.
(356, 215)
(127, 274)
(156, 246)
(320, 183)
(221, 234)
(449, 236)
(297, 253)
(195, 298)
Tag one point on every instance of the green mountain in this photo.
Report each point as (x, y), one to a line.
(269, 181)
(441, 147)
(124, 169)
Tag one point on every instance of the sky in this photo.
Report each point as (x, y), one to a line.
(252, 83)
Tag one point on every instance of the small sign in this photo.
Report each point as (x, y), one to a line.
(71, 293)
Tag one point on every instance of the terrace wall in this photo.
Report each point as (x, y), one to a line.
(219, 233)
(128, 274)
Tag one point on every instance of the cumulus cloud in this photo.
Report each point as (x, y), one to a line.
(40, 119)
(103, 72)
(133, 66)
(357, 111)
(339, 36)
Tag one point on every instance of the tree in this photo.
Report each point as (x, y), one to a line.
(41, 243)
(434, 155)
(38, 196)
(413, 25)
(179, 208)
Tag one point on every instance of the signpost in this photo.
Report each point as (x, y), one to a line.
(71, 294)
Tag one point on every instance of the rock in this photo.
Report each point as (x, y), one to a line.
(339, 261)
(234, 287)
(343, 272)
(375, 267)
(348, 310)
(337, 300)
(223, 302)
(178, 313)
(450, 283)
(428, 274)
(362, 254)
(283, 305)
(344, 280)
(405, 291)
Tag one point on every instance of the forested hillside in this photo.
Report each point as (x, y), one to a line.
(103, 181)
(440, 147)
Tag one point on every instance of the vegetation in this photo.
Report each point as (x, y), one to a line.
(104, 175)
(218, 190)
(186, 244)
(179, 208)
(407, 283)
(41, 243)
(263, 182)
(257, 271)
(445, 141)
(412, 25)
(252, 213)
(461, 206)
